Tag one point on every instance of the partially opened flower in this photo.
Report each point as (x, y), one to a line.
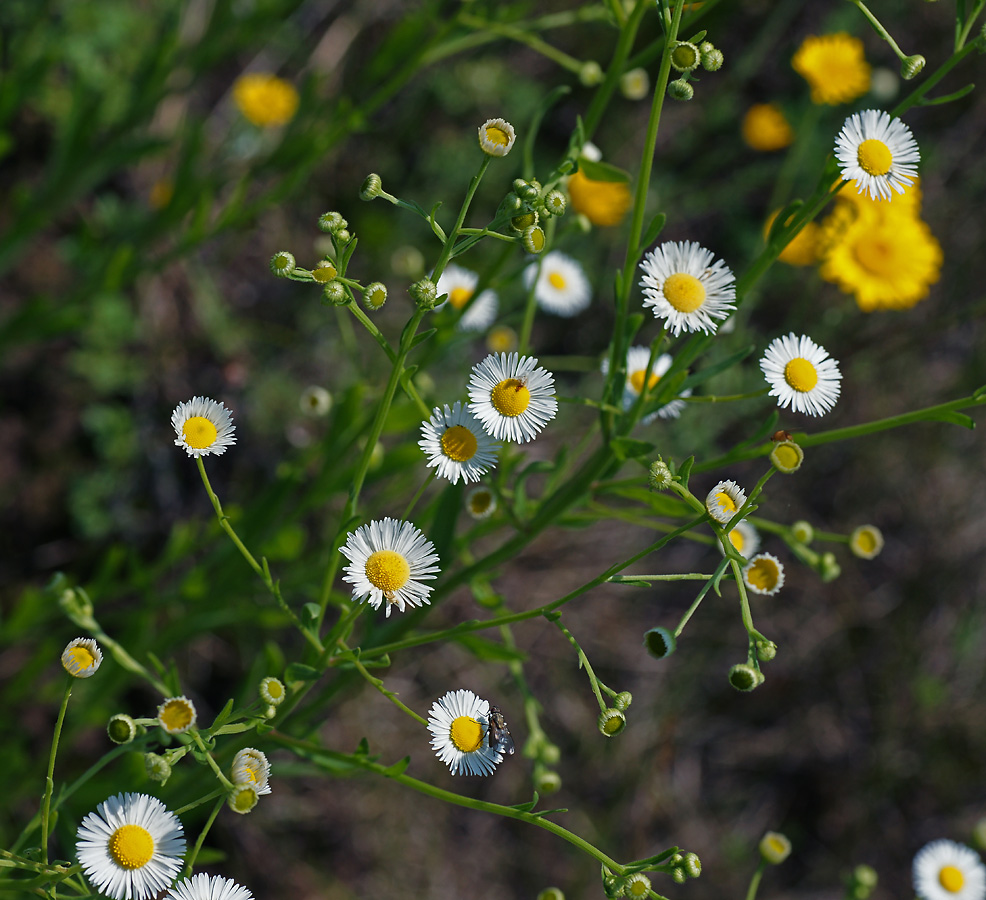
(481, 503)
(561, 287)
(130, 847)
(866, 542)
(250, 766)
(460, 285)
(764, 574)
(453, 440)
(801, 375)
(512, 396)
(946, 870)
(878, 153)
(685, 285)
(266, 100)
(459, 725)
(203, 427)
(834, 67)
(496, 137)
(390, 560)
(206, 887)
(82, 657)
(177, 715)
(725, 500)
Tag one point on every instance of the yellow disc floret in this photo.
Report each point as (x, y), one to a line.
(637, 381)
(387, 571)
(737, 539)
(684, 292)
(466, 734)
(199, 432)
(497, 135)
(763, 574)
(176, 715)
(874, 157)
(725, 502)
(79, 658)
(459, 296)
(459, 443)
(131, 846)
(788, 456)
(510, 397)
(801, 374)
(951, 879)
(557, 281)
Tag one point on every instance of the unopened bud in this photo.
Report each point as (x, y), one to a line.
(282, 264)
(334, 293)
(911, 66)
(375, 296)
(372, 187)
(591, 74)
(424, 292)
(774, 848)
(744, 677)
(680, 90)
(685, 57)
(611, 722)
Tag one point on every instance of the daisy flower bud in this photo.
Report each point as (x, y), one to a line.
(534, 239)
(177, 715)
(659, 642)
(685, 57)
(375, 296)
(803, 532)
(611, 722)
(496, 137)
(866, 542)
(911, 66)
(343, 236)
(766, 650)
(744, 677)
(555, 203)
(660, 477)
(157, 767)
(121, 729)
(282, 264)
(524, 221)
(862, 881)
(787, 457)
(324, 271)
(637, 886)
(371, 188)
(828, 567)
(551, 893)
(424, 292)
(692, 865)
(82, 657)
(331, 222)
(635, 84)
(712, 60)
(623, 700)
(680, 90)
(678, 875)
(547, 781)
(334, 294)
(526, 190)
(774, 848)
(591, 74)
(242, 798)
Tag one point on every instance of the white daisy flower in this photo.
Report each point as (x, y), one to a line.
(745, 538)
(460, 285)
(764, 574)
(459, 723)
(878, 153)
(561, 287)
(82, 657)
(801, 375)
(511, 397)
(481, 503)
(204, 887)
(637, 359)
(389, 560)
(177, 715)
(130, 848)
(251, 767)
(683, 285)
(453, 440)
(496, 137)
(946, 870)
(725, 500)
(203, 427)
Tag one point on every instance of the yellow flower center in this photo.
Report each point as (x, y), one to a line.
(459, 296)
(199, 432)
(776, 845)
(176, 715)
(480, 502)
(324, 274)
(737, 540)
(951, 879)
(874, 157)
(466, 734)
(131, 846)
(613, 725)
(275, 689)
(496, 135)
(387, 571)
(637, 381)
(639, 889)
(684, 292)
(510, 397)
(866, 542)
(787, 456)
(724, 501)
(459, 443)
(557, 281)
(79, 658)
(801, 374)
(763, 574)
(876, 254)
(501, 339)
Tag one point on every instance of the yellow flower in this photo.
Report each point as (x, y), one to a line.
(834, 67)
(265, 99)
(803, 249)
(765, 129)
(604, 203)
(886, 261)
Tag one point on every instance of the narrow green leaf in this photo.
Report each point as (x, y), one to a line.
(398, 767)
(301, 672)
(489, 651)
(685, 470)
(954, 418)
(721, 366)
(629, 448)
(653, 230)
(602, 171)
(529, 805)
(223, 716)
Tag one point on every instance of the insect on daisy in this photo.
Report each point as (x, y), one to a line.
(684, 284)
(725, 500)
(389, 560)
(460, 285)
(801, 375)
(764, 574)
(130, 847)
(459, 724)
(561, 287)
(203, 427)
(82, 657)
(205, 887)
(946, 870)
(511, 397)
(878, 153)
(453, 440)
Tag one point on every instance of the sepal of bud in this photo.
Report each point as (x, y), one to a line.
(611, 722)
(745, 677)
(659, 642)
(774, 848)
(680, 90)
(424, 292)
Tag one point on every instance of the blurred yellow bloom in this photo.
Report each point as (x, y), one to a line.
(160, 193)
(604, 203)
(803, 248)
(764, 128)
(265, 99)
(834, 67)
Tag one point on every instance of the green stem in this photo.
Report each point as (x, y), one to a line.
(50, 780)
(879, 29)
(646, 579)
(429, 478)
(513, 33)
(223, 780)
(583, 660)
(751, 891)
(701, 596)
(190, 861)
(218, 792)
(377, 683)
(446, 254)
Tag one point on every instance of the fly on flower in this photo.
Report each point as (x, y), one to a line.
(499, 735)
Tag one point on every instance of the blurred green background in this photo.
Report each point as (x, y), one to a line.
(867, 738)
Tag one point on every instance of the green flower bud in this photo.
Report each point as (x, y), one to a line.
(157, 767)
(121, 729)
(828, 567)
(692, 865)
(374, 296)
(613, 886)
(282, 264)
(331, 222)
(324, 271)
(706, 47)
(343, 236)
(611, 722)
(372, 187)
(591, 74)
(534, 239)
(555, 203)
(866, 542)
(242, 798)
(524, 221)
(635, 84)
(526, 190)
(74, 602)
(911, 66)
(685, 57)
(547, 781)
(659, 642)
(774, 848)
(803, 532)
(551, 893)
(549, 753)
(623, 700)
(678, 875)
(272, 691)
(637, 886)
(660, 477)
(334, 294)
(680, 90)
(712, 61)
(766, 650)
(424, 292)
(786, 457)
(863, 880)
(744, 677)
